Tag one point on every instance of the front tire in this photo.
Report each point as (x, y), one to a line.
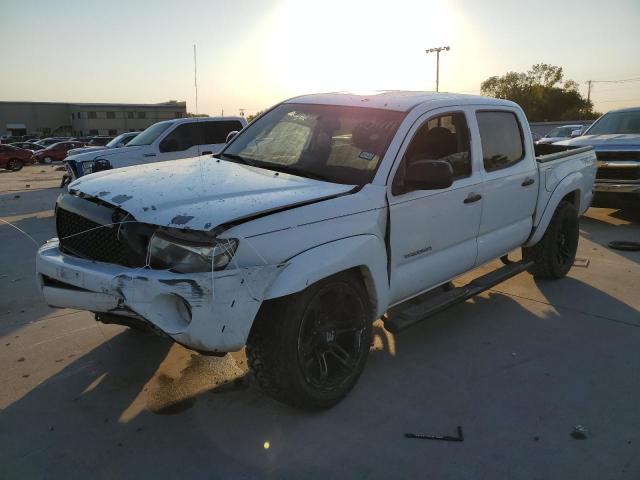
(554, 254)
(309, 349)
(14, 164)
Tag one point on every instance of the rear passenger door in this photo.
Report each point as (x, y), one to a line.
(181, 142)
(215, 135)
(510, 182)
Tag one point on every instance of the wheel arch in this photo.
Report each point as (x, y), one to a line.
(364, 254)
(569, 189)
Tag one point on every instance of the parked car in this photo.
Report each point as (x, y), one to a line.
(34, 147)
(315, 220)
(615, 136)
(55, 152)
(46, 142)
(168, 140)
(117, 142)
(99, 141)
(559, 133)
(14, 158)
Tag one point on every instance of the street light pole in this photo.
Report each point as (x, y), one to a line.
(437, 50)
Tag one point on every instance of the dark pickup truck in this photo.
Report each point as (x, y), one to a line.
(615, 137)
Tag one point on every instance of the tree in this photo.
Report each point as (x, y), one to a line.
(251, 117)
(542, 93)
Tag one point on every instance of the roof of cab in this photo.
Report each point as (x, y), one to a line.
(398, 100)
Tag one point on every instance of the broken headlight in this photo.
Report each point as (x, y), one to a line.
(189, 252)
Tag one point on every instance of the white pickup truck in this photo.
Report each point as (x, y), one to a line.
(162, 141)
(325, 213)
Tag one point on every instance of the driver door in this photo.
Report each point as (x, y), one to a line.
(434, 232)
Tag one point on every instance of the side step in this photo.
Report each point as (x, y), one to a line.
(405, 315)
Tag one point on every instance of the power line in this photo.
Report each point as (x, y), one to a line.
(624, 80)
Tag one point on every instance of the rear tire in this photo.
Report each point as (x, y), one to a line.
(47, 160)
(14, 164)
(309, 349)
(554, 254)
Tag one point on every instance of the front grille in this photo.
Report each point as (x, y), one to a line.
(618, 173)
(607, 156)
(84, 238)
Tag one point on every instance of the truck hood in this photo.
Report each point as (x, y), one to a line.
(77, 151)
(201, 193)
(102, 152)
(602, 142)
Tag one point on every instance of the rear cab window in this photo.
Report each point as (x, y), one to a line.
(501, 138)
(216, 132)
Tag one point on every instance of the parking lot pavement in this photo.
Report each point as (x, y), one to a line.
(518, 367)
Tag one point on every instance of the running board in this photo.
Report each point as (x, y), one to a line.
(405, 315)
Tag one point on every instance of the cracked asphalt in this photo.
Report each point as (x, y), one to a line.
(518, 368)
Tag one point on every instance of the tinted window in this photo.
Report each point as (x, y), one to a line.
(216, 132)
(443, 138)
(111, 114)
(183, 137)
(501, 139)
(148, 136)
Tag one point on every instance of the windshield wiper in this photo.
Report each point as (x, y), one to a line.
(300, 172)
(239, 158)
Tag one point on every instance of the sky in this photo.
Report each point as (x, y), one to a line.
(252, 54)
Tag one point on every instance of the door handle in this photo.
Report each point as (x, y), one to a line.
(473, 197)
(207, 152)
(528, 181)
(149, 155)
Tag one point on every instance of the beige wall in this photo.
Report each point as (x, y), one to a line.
(48, 118)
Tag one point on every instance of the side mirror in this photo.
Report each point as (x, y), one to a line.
(169, 145)
(231, 135)
(428, 175)
(576, 133)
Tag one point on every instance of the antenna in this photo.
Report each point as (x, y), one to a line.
(195, 74)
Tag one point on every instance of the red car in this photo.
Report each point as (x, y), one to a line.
(13, 158)
(56, 152)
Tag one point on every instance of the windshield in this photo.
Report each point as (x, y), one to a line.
(334, 143)
(120, 138)
(148, 136)
(562, 131)
(616, 122)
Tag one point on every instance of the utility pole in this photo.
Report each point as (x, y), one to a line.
(195, 74)
(437, 50)
(589, 90)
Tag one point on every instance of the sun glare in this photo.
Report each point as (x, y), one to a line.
(355, 45)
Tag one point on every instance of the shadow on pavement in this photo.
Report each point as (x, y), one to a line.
(602, 228)
(473, 365)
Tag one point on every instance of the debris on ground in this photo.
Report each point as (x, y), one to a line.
(579, 432)
(446, 438)
(625, 245)
(581, 262)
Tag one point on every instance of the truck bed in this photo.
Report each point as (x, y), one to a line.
(547, 152)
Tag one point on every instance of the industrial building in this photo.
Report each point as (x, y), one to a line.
(81, 119)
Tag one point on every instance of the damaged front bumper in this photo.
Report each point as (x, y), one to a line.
(209, 312)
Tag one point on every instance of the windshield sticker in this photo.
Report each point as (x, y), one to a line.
(368, 156)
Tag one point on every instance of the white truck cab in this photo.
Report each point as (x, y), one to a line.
(167, 140)
(325, 213)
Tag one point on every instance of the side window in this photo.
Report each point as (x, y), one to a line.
(501, 138)
(216, 132)
(446, 138)
(181, 138)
